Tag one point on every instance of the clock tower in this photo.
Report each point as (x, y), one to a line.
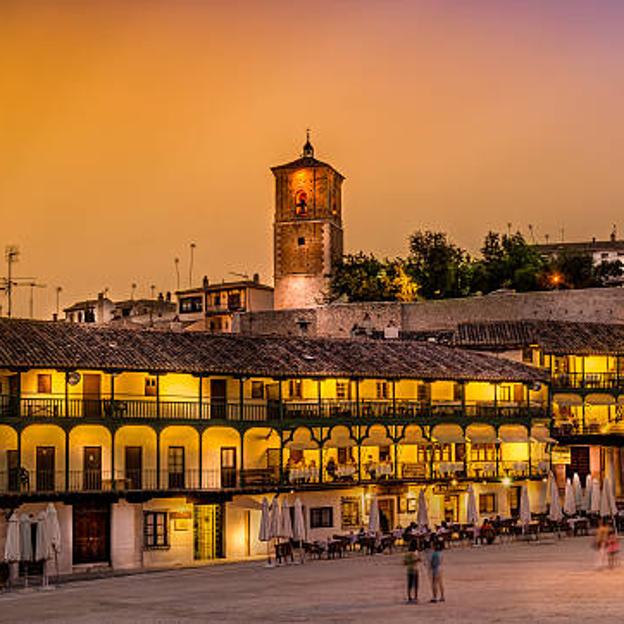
(307, 234)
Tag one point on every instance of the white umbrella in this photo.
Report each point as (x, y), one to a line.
(569, 502)
(544, 495)
(265, 522)
(472, 516)
(43, 548)
(26, 551)
(525, 507)
(578, 491)
(595, 496)
(588, 492)
(422, 518)
(12, 543)
(605, 506)
(286, 530)
(299, 530)
(275, 520)
(373, 517)
(54, 528)
(612, 503)
(555, 513)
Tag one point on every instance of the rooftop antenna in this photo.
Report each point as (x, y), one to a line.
(509, 228)
(11, 253)
(562, 233)
(241, 275)
(59, 290)
(176, 261)
(31, 299)
(192, 250)
(547, 237)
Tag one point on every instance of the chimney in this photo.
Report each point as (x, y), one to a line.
(168, 296)
(614, 233)
(160, 297)
(256, 278)
(205, 282)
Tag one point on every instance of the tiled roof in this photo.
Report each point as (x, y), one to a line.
(555, 337)
(45, 344)
(305, 162)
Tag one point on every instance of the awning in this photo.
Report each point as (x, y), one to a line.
(540, 434)
(377, 436)
(449, 434)
(481, 434)
(340, 438)
(301, 440)
(412, 434)
(567, 399)
(513, 433)
(600, 399)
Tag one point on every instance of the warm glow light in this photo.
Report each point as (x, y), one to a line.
(506, 481)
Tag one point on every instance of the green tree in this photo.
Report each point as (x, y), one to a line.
(439, 267)
(572, 269)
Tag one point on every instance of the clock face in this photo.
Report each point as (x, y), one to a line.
(301, 203)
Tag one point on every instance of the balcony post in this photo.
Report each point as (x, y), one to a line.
(321, 457)
(462, 389)
(319, 397)
(617, 371)
(357, 398)
(157, 395)
(281, 399)
(200, 391)
(495, 399)
(112, 397)
(498, 447)
(583, 371)
(19, 450)
(157, 455)
(241, 398)
(393, 398)
(67, 487)
(112, 462)
(583, 415)
(200, 459)
(66, 395)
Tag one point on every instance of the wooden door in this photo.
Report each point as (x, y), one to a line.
(13, 470)
(228, 466)
(451, 508)
(579, 463)
(91, 533)
(134, 467)
(92, 468)
(218, 398)
(386, 514)
(45, 468)
(175, 466)
(91, 395)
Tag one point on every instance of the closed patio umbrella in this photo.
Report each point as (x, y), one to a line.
(612, 503)
(555, 514)
(578, 492)
(299, 529)
(422, 518)
(54, 534)
(43, 547)
(286, 530)
(12, 543)
(569, 502)
(276, 520)
(525, 507)
(373, 517)
(605, 506)
(265, 522)
(26, 550)
(595, 496)
(588, 493)
(472, 516)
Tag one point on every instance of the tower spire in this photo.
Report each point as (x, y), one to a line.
(308, 150)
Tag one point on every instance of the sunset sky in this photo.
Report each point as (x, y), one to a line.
(130, 128)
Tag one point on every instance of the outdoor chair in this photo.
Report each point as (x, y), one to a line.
(314, 549)
(284, 552)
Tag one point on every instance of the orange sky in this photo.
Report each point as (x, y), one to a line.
(129, 129)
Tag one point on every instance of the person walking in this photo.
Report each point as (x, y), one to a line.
(600, 544)
(435, 566)
(613, 548)
(412, 562)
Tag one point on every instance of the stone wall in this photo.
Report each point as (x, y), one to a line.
(604, 305)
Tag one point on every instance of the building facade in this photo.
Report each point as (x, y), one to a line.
(211, 307)
(157, 447)
(308, 234)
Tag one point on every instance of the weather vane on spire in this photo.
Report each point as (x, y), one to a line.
(308, 150)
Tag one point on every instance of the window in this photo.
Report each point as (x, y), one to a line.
(89, 315)
(457, 391)
(423, 392)
(294, 389)
(382, 389)
(503, 393)
(150, 386)
(344, 455)
(513, 496)
(487, 503)
(527, 355)
(350, 512)
(155, 530)
(190, 304)
(44, 383)
(384, 453)
(343, 390)
(483, 452)
(321, 517)
(257, 390)
(301, 203)
(301, 241)
(234, 301)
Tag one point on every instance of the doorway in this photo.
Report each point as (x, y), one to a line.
(386, 514)
(579, 463)
(134, 467)
(228, 466)
(92, 468)
(45, 468)
(218, 398)
(175, 466)
(450, 508)
(91, 394)
(91, 533)
(207, 532)
(13, 470)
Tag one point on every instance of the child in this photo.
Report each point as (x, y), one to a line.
(436, 573)
(613, 549)
(412, 561)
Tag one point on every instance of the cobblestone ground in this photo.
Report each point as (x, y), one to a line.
(551, 581)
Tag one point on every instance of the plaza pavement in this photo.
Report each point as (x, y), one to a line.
(551, 581)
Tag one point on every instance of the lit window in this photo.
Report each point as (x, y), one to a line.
(44, 383)
(487, 503)
(382, 389)
(150, 386)
(155, 530)
(294, 389)
(257, 390)
(342, 390)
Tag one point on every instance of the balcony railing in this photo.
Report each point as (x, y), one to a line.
(255, 410)
(588, 381)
